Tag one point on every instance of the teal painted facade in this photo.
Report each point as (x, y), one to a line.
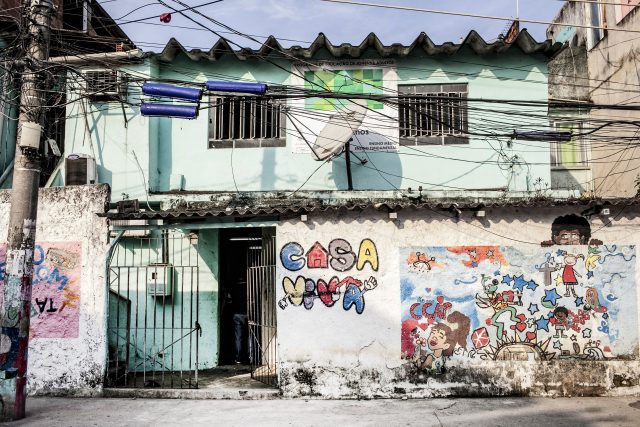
(8, 126)
(147, 151)
(158, 333)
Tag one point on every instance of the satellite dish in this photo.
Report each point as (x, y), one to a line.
(339, 129)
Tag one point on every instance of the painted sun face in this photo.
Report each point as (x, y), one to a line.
(568, 237)
(438, 340)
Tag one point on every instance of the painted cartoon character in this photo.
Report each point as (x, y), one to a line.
(569, 274)
(560, 321)
(500, 302)
(571, 230)
(442, 342)
(592, 301)
(489, 287)
(593, 255)
(423, 261)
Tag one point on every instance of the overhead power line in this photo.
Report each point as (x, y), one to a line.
(472, 15)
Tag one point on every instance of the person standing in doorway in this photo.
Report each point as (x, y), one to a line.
(239, 307)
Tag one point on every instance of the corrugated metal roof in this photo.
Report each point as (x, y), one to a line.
(196, 210)
(422, 44)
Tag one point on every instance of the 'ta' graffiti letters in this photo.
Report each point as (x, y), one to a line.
(55, 308)
(307, 287)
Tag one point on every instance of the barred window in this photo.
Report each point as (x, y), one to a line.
(242, 122)
(433, 114)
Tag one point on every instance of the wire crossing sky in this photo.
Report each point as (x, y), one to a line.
(300, 21)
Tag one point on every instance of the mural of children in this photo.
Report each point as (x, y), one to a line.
(569, 274)
(560, 321)
(571, 230)
(442, 341)
(592, 301)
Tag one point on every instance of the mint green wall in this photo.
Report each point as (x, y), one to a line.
(174, 146)
(8, 124)
(196, 273)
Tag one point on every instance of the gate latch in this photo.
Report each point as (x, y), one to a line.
(198, 328)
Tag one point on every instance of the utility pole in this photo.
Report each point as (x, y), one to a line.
(15, 306)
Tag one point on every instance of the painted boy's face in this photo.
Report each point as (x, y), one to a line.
(568, 237)
(438, 340)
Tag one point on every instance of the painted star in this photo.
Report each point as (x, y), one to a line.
(559, 252)
(496, 273)
(532, 285)
(557, 345)
(473, 253)
(519, 282)
(574, 338)
(506, 279)
(559, 280)
(589, 274)
(550, 295)
(474, 264)
(579, 301)
(586, 333)
(533, 308)
(489, 254)
(605, 316)
(542, 323)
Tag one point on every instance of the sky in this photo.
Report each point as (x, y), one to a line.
(298, 22)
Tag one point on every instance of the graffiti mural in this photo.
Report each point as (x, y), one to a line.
(571, 302)
(55, 296)
(329, 274)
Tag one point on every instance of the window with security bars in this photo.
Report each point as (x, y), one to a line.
(105, 85)
(433, 114)
(243, 122)
(570, 154)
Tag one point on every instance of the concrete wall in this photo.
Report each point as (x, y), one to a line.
(170, 146)
(613, 66)
(355, 323)
(67, 346)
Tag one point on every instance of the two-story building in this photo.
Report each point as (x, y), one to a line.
(424, 255)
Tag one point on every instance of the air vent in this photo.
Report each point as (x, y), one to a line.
(80, 169)
(105, 85)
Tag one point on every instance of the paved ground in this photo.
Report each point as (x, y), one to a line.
(519, 412)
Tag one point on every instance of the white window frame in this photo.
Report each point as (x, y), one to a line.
(594, 35)
(582, 142)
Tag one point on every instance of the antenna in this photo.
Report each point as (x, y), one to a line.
(339, 129)
(518, 10)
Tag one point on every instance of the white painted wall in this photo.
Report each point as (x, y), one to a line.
(331, 352)
(72, 365)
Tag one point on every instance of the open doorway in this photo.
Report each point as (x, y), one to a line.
(235, 248)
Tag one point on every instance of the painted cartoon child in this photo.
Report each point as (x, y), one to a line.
(560, 321)
(569, 273)
(571, 230)
(442, 341)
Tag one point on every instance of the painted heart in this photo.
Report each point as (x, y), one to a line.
(325, 292)
(521, 326)
(424, 326)
(294, 291)
(353, 296)
(531, 336)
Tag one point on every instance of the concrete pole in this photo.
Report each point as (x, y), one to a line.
(15, 306)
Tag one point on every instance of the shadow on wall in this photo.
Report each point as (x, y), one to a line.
(370, 170)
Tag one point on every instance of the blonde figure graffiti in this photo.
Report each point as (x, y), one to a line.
(442, 342)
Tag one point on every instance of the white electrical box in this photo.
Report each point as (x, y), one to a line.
(30, 135)
(160, 280)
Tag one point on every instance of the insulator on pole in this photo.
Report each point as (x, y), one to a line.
(171, 91)
(169, 110)
(239, 87)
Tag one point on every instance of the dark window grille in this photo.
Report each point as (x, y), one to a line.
(245, 122)
(433, 114)
(104, 85)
